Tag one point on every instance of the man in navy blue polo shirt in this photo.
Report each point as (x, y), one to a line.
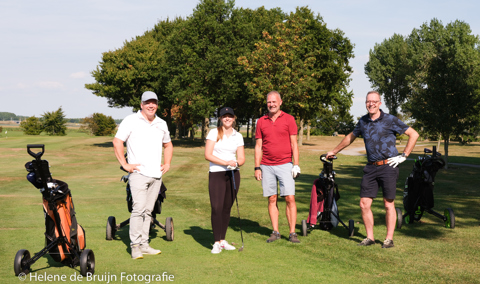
(379, 131)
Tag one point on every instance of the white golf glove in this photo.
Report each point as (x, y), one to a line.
(232, 168)
(295, 171)
(395, 161)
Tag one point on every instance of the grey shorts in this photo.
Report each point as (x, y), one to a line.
(281, 174)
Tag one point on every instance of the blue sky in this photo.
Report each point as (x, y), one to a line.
(48, 48)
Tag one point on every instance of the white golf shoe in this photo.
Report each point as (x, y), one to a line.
(217, 248)
(226, 246)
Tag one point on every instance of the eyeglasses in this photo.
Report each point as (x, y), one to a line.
(372, 102)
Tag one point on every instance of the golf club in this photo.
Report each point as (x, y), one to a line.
(238, 210)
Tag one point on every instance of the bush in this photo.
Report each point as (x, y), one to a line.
(99, 124)
(54, 123)
(31, 126)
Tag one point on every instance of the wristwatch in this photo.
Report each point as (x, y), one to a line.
(258, 168)
(404, 155)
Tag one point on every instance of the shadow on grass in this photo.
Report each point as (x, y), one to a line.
(50, 262)
(420, 230)
(188, 143)
(104, 145)
(248, 226)
(123, 234)
(205, 236)
(202, 236)
(183, 143)
(462, 160)
(349, 184)
(340, 231)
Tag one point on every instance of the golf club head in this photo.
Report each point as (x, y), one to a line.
(240, 249)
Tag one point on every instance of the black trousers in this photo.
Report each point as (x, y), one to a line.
(222, 196)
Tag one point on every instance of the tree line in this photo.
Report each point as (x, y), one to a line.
(222, 55)
(11, 116)
(432, 76)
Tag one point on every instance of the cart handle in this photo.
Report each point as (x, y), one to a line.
(324, 159)
(38, 155)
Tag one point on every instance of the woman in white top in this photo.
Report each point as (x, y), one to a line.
(224, 149)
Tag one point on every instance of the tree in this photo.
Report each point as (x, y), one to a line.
(54, 123)
(304, 61)
(31, 126)
(249, 26)
(387, 70)
(99, 124)
(192, 64)
(201, 54)
(334, 119)
(445, 94)
(124, 74)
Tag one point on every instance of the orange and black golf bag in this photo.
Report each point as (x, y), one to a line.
(64, 237)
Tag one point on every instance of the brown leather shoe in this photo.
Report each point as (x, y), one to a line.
(273, 237)
(294, 238)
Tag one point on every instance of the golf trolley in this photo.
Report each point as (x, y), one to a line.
(323, 202)
(64, 237)
(418, 192)
(112, 227)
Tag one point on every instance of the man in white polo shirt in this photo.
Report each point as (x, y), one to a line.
(146, 135)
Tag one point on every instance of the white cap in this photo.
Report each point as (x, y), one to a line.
(148, 95)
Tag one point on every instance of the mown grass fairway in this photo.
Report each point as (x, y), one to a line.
(425, 252)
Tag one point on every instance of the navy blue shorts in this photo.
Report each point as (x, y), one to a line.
(384, 176)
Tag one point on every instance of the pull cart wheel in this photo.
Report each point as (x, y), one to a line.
(19, 264)
(111, 228)
(399, 218)
(169, 228)
(351, 228)
(87, 262)
(449, 218)
(304, 228)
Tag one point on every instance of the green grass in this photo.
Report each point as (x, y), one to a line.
(424, 252)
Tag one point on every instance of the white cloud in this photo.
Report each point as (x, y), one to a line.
(50, 85)
(79, 75)
(21, 86)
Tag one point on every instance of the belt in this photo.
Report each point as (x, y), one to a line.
(379, 163)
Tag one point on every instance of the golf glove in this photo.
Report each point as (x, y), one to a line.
(295, 171)
(395, 161)
(232, 168)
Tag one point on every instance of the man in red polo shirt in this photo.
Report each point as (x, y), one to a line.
(276, 144)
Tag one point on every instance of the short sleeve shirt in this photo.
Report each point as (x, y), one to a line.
(380, 135)
(144, 142)
(225, 148)
(276, 145)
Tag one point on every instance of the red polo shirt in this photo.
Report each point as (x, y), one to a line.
(276, 146)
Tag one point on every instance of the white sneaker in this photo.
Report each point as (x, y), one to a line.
(217, 248)
(147, 249)
(136, 252)
(226, 246)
